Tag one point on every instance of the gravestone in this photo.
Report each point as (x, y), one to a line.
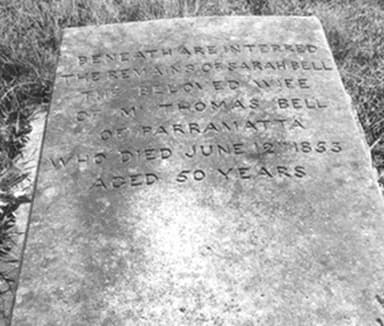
(202, 171)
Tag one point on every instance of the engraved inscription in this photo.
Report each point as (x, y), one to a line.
(206, 50)
(192, 68)
(197, 128)
(184, 115)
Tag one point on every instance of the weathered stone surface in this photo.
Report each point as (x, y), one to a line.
(202, 171)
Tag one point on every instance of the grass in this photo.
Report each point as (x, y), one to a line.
(30, 33)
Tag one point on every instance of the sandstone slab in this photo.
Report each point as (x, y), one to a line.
(202, 171)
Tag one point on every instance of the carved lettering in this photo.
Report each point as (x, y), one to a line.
(61, 162)
(134, 73)
(289, 83)
(300, 103)
(131, 65)
(131, 180)
(253, 172)
(198, 50)
(194, 175)
(210, 127)
(147, 154)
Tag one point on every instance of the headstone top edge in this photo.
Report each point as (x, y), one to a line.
(194, 18)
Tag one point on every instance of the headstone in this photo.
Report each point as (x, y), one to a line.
(202, 171)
